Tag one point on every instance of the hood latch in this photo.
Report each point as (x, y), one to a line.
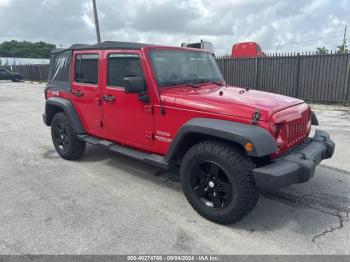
(256, 117)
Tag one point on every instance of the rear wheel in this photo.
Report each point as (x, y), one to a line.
(217, 181)
(16, 79)
(65, 140)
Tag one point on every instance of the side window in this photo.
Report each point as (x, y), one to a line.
(123, 65)
(60, 67)
(86, 69)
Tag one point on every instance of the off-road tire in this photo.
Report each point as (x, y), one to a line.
(238, 168)
(74, 148)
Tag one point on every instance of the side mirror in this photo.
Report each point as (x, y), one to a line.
(134, 84)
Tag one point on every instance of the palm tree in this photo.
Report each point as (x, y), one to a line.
(321, 50)
(342, 49)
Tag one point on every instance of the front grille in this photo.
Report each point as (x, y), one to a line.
(297, 148)
(293, 126)
(297, 129)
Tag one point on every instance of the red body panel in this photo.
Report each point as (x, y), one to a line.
(126, 120)
(140, 125)
(88, 105)
(247, 49)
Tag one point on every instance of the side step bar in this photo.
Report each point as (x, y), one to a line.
(153, 159)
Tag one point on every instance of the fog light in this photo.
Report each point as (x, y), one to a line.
(249, 147)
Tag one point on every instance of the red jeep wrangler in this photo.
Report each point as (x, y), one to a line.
(171, 105)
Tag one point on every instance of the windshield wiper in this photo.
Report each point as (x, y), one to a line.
(179, 84)
(189, 84)
(211, 81)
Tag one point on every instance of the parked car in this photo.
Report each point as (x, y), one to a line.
(247, 50)
(170, 106)
(8, 75)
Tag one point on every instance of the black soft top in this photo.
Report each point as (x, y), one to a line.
(61, 61)
(102, 46)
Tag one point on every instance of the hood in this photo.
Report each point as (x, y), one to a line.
(229, 100)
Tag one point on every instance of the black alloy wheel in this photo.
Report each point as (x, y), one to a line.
(65, 139)
(61, 138)
(211, 184)
(217, 180)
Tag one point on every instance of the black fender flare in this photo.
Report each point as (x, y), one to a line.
(314, 120)
(263, 142)
(67, 107)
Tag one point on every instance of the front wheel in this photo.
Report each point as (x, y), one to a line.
(65, 140)
(16, 79)
(217, 181)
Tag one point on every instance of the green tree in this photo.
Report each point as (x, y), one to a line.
(25, 49)
(321, 50)
(343, 48)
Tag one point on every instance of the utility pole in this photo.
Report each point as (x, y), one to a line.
(96, 22)
(344, 39)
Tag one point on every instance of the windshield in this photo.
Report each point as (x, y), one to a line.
(174, 67)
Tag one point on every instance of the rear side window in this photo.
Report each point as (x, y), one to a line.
(123, 65)
(60, 71)
(86, 69)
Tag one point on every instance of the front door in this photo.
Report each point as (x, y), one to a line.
(126, 119)
(4, 75)
(86, 89)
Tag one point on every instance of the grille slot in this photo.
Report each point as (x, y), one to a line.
(297, 130)
(297, 148)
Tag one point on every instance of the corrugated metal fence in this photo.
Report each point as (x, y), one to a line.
(31, 72)
(313, 77)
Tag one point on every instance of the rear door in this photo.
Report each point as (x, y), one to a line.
(126, 119)
(86, 89)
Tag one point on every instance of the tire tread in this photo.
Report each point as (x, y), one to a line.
(246, 181)
(77, 146)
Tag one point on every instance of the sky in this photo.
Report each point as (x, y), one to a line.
(278, 26)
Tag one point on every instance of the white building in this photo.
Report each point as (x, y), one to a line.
(23, 61)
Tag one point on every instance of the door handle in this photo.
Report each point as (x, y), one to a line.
(108, 98)
(78, 93)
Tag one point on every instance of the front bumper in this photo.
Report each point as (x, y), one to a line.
(298, 165)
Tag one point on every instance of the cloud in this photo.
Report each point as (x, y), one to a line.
(4, 3)
(283, 26)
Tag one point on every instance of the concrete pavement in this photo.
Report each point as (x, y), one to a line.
(109, 204)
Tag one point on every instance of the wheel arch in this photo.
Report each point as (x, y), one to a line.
(193, 138)
(55, 105)
(237, 134)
